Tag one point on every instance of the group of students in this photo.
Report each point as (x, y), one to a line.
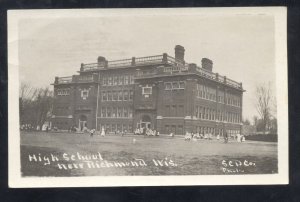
(146, 132)
(209, 136)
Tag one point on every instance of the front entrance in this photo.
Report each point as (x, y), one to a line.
(145, 122)
(82, 122)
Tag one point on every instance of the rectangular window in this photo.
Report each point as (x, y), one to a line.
(131, 95)
(130, 112)
(126, 96)
(115, 95)
(167, 110)
(126, 80)
(104, 81)
(114, 112)
(116, 78)
(180, 130)
(109, 96)
(180, 110)
(147, 90)
(121, 80)
(119, 127)
(131, 79)
(168, 86)
(103, 111)
(113, 127)
(125, 129)
(108, 112)
(125, 112)
(200, 113)
(173, 110)
(104, 96)
(120, 96)
(108, 128)
(167, 129)
(182, 85)
(120, 112)
(175, 85)
(110, 81)
(130, 128)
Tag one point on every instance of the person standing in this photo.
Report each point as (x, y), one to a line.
(102, 132)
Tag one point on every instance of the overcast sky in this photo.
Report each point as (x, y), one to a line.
(241, 47)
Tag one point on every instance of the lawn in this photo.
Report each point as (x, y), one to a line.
(66, 154)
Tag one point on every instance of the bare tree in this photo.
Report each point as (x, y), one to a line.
(263, 103)
(35, 104)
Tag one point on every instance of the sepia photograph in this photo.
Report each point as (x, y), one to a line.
(136, 97)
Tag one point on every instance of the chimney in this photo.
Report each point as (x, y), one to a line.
(179, 52)
(207, 64)
(102, 61)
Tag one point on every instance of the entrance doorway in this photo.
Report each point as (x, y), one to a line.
(145, 122)
(82, 122)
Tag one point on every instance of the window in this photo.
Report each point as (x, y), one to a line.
(131, 95)
(104, 96)
(104, 81)
(113, 127)
(125, 128)
(180, 130)
(84, 94)
(120, 96)
(116, 78)
(180, 110)
(120, 112)
(130, 128)
(167, 110)
(200, 112)
(168, 86)
(130, 112)
(125, 93)
(147, 90)
(108, 127)
(103, 110)
(109, 96)
(119, 127)
(108, 112)
(175, 85)
(125, 112)
(167, 130)
(121, 80)
(63, 92)
(110, 81)
(131, 79)
(114, 112)
(173, 110)
(181, 84)
(168, 69)
(126, 80)
(115, 95)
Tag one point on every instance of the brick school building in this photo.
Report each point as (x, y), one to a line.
(159, 92)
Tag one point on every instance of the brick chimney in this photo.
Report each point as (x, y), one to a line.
(102, 61)
(207, 64)
(179, 52)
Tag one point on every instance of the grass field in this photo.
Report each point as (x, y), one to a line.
(178, 157)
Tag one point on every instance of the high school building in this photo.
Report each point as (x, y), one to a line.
(160, 92)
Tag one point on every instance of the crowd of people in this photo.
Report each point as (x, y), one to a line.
(146, 132)
(209, 136)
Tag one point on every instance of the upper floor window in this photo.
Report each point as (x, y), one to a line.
(104, 81)
(126, 79)
(110, 81)
(63, 92)
(147, 90)
(116, 78)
